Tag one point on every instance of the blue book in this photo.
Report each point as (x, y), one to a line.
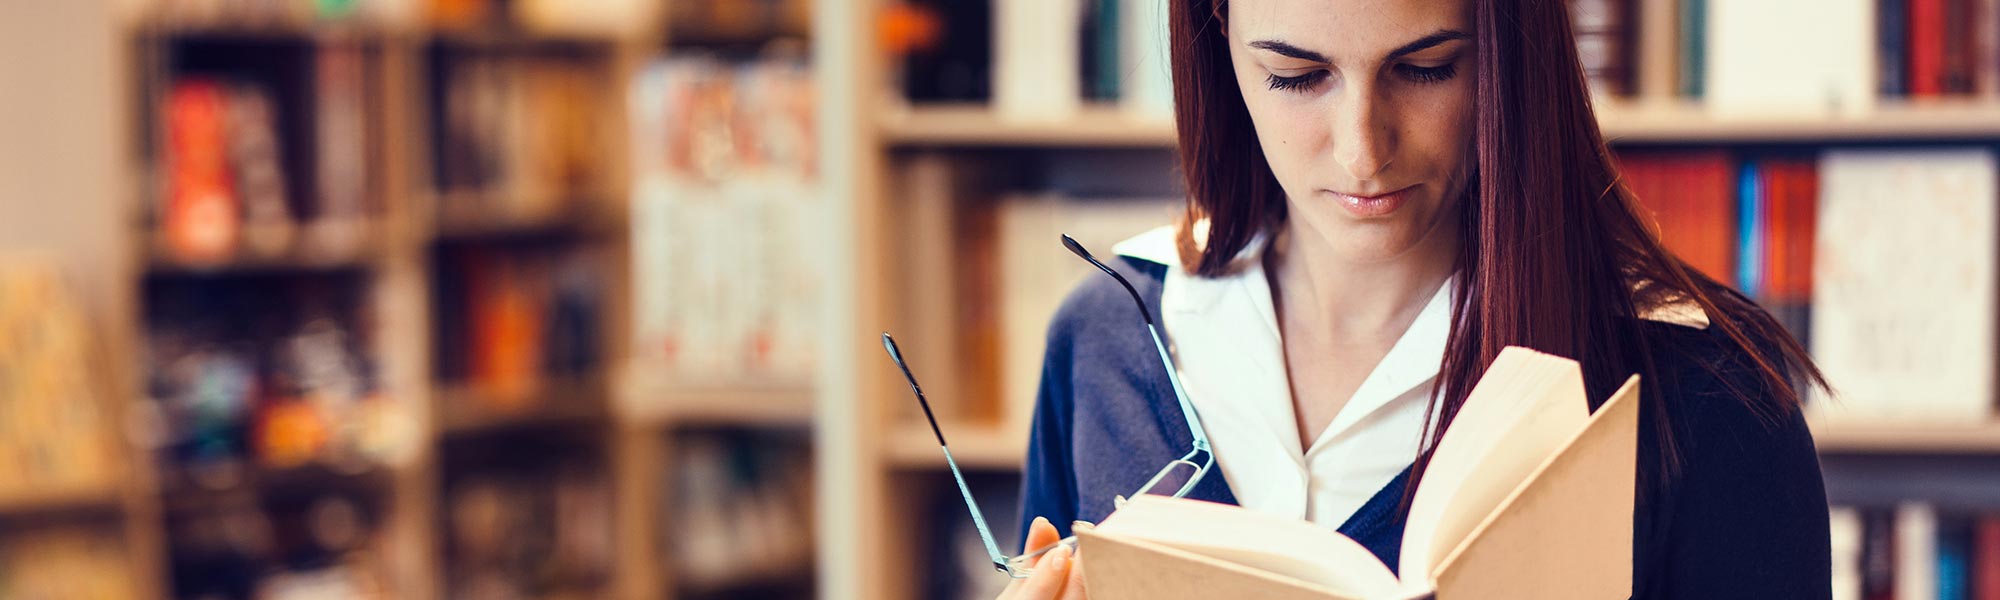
(1892, 35)
(1694, 48)
(1750, 231)
(1954, 559)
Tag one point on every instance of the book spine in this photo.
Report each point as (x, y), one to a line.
(1892, 23)
(1916, 552)
(1749, 230)
(1958, 47)
(1954, 559)
(1926, 42)
(1986, 557)
(1878, 555)
(1694, 48)
(1985, 26)
(1846, 537)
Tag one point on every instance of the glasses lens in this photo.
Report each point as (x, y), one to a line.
(1174, 480)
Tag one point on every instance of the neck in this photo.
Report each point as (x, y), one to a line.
(1348, 298)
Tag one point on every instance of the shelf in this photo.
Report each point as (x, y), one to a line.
(256, 485)
(1983, 438)
(465, 411)
(311, 248)
(976, 447)
(757, 405)
(973, 125)
(581, 221)
(65, 499)
(1623, 122)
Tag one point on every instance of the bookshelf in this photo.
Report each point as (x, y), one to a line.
(881, 461)
(390, 254)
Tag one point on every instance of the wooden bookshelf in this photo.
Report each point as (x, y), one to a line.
(1623, 122)
(665, 406)
(1914, 439)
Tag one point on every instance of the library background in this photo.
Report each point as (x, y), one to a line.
(579, 298)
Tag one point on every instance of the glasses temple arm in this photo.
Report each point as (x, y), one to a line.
(964, 490)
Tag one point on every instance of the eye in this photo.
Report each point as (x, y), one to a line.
(1421, 74)
(1295, 83)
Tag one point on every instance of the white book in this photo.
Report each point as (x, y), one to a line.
(1037, 59)
(1903, 285)
(1916, 552)
(1037, 273)
(1145, 68)
(1791, 58)
(1845, 531)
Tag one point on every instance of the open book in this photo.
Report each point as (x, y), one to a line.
(1527, 495)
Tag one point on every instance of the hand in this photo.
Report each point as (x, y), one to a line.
(1057, 574)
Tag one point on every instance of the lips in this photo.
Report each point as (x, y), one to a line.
(1376, 206)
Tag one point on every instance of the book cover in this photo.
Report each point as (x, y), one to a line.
(1903, 284)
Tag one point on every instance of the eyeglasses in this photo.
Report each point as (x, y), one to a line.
(1187, 470)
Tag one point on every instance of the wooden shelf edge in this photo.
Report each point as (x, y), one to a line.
(1623, 121)
(1841, 438)
(62, 499)
(466, 411)
(779, 404)
(985, 447)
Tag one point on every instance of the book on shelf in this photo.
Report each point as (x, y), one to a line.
(1915, 550)
(1114, 52)
(513, 320)
(1606, 43)
(1691, 198)
(726, 219)
(1525, 466)
(265, 373)
(1903, 285)
(1764, 60)
(519, 135)
(740, 508)
(521, 524)
(314, 546)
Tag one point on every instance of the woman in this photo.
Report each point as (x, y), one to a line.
(1383, 194)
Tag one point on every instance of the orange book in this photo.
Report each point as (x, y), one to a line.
(202, 218)
(1692, 199)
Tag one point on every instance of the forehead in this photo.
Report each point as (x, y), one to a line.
(1346, 28)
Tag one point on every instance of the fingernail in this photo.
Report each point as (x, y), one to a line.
(1041, 522)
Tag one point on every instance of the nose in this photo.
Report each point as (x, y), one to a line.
(1364, 139)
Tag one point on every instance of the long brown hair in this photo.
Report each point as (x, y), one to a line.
(1578, 262)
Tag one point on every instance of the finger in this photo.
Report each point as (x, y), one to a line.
(1049, 576)
(1040, 533)
(1073, 584)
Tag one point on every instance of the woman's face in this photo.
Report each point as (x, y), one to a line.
(1364, 110)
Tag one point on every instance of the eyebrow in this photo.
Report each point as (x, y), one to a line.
(1421, 44)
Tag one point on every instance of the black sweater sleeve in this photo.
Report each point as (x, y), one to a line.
(1745, 516)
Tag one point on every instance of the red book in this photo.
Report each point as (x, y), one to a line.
(1691, 196)
(1927, 47)
(202, 217)
(1986, 559)
(1791, 192)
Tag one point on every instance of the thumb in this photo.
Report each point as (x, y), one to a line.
(1041, 533)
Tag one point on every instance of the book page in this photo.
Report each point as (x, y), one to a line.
(1567, 533)
(1289, 547)
(1525, 407)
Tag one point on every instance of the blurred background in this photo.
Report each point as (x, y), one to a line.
(579, 299)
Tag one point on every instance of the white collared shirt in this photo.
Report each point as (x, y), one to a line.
(1231, 358)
